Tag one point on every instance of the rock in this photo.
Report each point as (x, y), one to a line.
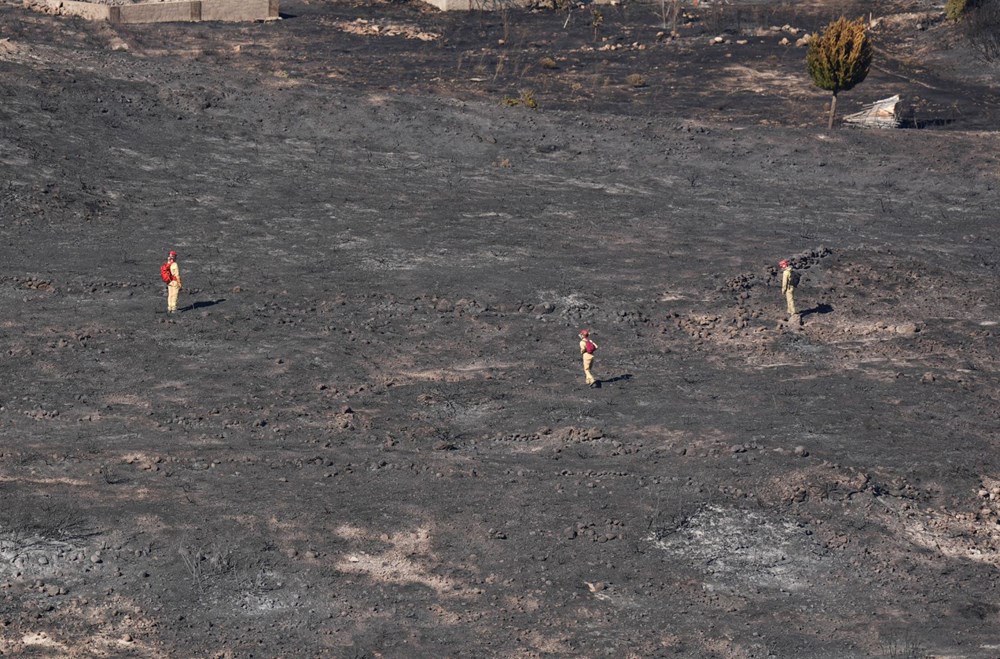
(784, 41)
(569, 533)
(927, 378)
(95, 558)
(907, 329)
(801, 42)
(801, 451)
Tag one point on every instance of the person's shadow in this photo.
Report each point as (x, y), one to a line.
(819, 308)
(621, 378)
(201, 304)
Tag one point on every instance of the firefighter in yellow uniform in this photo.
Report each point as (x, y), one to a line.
(587, 349)
(788, 285)
(174, 285)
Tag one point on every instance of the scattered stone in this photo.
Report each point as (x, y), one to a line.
(96, 558)
(927, 378)
(801, 451)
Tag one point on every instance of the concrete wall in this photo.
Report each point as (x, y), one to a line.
(493, 5)
(451, 5)
(163, 12)
(236, 10)
(86, 10)
(160, 12)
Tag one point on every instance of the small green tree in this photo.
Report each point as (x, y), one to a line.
(954, 9)
(839, 58)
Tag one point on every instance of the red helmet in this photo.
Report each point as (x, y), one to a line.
(783, 263)
(172, 253)
(584, 333)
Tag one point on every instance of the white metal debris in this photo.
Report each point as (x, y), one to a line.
(880, 114)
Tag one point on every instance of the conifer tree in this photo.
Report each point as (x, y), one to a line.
(839, 58)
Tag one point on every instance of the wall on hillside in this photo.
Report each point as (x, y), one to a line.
(162, 12)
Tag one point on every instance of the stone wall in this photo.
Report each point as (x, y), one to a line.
(162, 12)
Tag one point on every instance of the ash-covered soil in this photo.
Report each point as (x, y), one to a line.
(367, 433)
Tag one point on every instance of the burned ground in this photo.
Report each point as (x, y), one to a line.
(367, 432)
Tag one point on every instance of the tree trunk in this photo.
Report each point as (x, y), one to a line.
(833, 111)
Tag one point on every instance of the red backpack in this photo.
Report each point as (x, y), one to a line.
(165, 273)
(590, 347)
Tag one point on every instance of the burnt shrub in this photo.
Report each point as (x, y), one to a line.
(982, 27)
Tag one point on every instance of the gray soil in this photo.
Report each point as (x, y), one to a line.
(366, 434)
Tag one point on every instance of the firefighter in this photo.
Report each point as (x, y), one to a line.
(587, 349)
(789, 279)
(171, 274)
